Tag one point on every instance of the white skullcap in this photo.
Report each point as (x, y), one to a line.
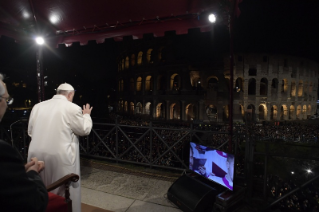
(65, 87)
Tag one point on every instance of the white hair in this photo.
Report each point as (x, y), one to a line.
(63, 92)
(2, 88)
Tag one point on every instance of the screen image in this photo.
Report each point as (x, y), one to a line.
(212, 164)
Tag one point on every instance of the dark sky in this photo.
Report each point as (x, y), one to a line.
(269, 26)
(286, 26)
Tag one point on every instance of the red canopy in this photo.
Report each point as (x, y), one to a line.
(68, 21)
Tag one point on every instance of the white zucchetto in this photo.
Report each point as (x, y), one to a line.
(65, 87)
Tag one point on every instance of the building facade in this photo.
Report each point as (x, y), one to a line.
(186, 77)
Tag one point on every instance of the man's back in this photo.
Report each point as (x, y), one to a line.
(54, 127)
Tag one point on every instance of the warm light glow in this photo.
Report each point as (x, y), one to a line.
(309, 171)
(212, 18)
(39, 40)
(292, 172)
(54, 19)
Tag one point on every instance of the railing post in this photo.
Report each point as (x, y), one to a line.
(23, 136)
(265, 171)
(151, 143)
(117, 139)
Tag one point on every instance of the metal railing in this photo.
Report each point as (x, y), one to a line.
(153, 146)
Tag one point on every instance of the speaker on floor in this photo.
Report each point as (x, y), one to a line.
(192, 195)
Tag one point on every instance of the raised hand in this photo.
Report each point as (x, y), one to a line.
(87, 109)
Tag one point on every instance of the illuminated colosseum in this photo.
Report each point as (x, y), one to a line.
(186, 77)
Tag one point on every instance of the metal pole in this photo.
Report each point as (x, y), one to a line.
(40, 88)
(117, 139)
(231, 33)
(151, 143)
(265, 172)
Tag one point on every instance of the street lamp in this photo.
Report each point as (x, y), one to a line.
(212, 18)
(39, 40)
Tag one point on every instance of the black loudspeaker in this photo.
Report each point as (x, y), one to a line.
(192, 195)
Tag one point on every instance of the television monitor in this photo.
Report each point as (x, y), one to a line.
(215, 165)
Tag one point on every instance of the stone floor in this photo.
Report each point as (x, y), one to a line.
(123, 191)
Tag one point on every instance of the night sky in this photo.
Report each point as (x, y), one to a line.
(266, 26)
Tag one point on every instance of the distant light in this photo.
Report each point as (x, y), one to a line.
(309, 171)
(25, 15)
(198, 82)
(39, 40)
(212, 18)
(292, 172)
(54, 19)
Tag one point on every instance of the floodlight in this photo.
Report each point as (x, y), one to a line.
(54, 19)
(212, 18)
(39, 40)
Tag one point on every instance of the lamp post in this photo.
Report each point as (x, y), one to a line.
(39, 58)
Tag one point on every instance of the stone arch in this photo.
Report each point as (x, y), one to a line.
(121, 105)
(283, 112)
(300, 88)
(310, 87)
(139, 108)
(304, 111)
(292, 112)
(132, 84)
(190, 112)
(293, 89)
(125, 107)
(162, 56)
(263, 87)
(242, 111)
(309, 110)
(252, 86)
(121, 85)
(274, 87)
(212, 112)
(140, 58)
(225, 113)
(148, 108)
(175, 82)
(132, 108)
(139, 84)
(161, 83)
(250, 113)
(133, 60)
(195, 79)
(127, 62)
(212, 83)
(299, 112)
(273, 112)
(148, 83)
(175, 111)
(149, 56)
(284, 85)
(123, 64)
(262, 112)
(160, 111)
(239, 84)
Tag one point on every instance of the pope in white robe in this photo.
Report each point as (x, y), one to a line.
(54, 127)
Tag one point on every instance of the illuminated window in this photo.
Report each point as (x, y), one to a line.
(139, 58)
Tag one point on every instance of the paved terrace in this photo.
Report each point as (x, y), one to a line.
(121, 188)
(111, 187)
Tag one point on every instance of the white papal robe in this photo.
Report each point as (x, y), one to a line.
(54, 127)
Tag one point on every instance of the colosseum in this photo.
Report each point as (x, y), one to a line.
(186, 77)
